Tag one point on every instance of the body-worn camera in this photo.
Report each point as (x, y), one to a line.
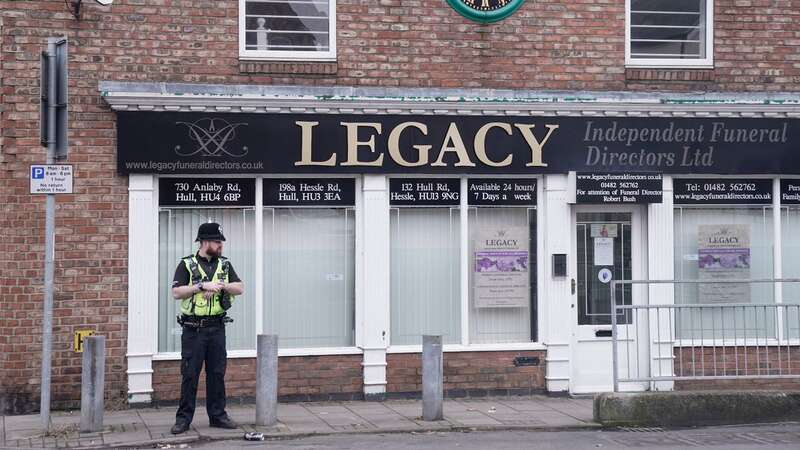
(225, 301)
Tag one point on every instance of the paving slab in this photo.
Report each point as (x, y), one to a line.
(120, 418)
(471, 419)
(219, 433)
(339, 418)
(382, 417)
(486, 407)
(525, 405)
(163, 431)
(304, 423)
(123, 437)
(557, 419)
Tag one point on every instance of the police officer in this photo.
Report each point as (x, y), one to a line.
(205, 284)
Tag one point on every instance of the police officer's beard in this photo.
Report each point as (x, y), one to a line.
(215, 253)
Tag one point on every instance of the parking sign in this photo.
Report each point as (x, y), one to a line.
(51, 179)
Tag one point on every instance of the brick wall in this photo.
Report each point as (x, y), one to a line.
(739, 361)
(468, 374)
(299, 378)
(547, 44)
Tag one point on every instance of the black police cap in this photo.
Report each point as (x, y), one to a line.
(210, 232)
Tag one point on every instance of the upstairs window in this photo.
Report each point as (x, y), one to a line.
(669, 33)
(287, 29)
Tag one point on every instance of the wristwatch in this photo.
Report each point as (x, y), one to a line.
(199, 286)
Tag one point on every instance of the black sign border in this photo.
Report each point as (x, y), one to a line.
(199, 179)
(577, 197)
(783, 182)
(270, 143)
(404, 204)
(348, 180)
(502, 180)
(677, 180)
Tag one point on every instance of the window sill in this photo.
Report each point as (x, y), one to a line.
(283, 352)
(672, 74)
(447, 348)
(288, 67)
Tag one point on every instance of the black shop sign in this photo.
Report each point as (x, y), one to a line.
(206, 192)
(721, 191)
(424, 191)
(501, 192)
(790, 191)
(289, 192)
(194, 143)
(618, 188)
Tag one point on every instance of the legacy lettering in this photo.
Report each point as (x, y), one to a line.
(501, 242)
(366, 153)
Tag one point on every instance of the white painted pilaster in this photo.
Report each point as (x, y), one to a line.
(555, 293)
(259, 241)
(373, 315)
(660, 266)
(142, 290)
(777, 253)
(463, 217)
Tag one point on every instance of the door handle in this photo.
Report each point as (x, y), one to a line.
(573, 285)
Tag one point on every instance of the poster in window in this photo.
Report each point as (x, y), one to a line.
(603, 251)
(723, 253)
(605, 230)
(501, 275)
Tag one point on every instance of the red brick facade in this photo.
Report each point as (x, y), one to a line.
(469, 373)
(299, 378)
(547, 45)
(747, 361)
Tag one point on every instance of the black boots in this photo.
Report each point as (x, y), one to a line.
(179, 427)
(223, 422)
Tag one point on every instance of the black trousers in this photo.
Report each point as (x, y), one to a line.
(198, 346)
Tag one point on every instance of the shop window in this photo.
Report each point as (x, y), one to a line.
(790, 242)
(701, 253)
(177, 229)
(309, 266)
(425, 275)
(503, 291)
(669, 33)
(287, 29)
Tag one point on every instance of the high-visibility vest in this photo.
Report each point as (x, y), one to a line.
(197, 305)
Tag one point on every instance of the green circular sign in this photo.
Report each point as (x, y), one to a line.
(485, 11)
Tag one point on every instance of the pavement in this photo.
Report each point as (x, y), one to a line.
(150, 427)
(776, 436)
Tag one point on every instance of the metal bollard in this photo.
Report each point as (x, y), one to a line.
(432, 378)
(92, 383)
(267, 380)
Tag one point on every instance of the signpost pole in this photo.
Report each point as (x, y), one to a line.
(49, 238)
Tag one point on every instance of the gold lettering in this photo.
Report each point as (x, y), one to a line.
(306, 147)
(394, 145)
(534, 144)
(453, 143)
(353, 144)
(480, 144)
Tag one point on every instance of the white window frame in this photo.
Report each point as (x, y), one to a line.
(465, 266)
(258, 295)
(781, 338)
(667, 63)
(464, 346)
(286, 55)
